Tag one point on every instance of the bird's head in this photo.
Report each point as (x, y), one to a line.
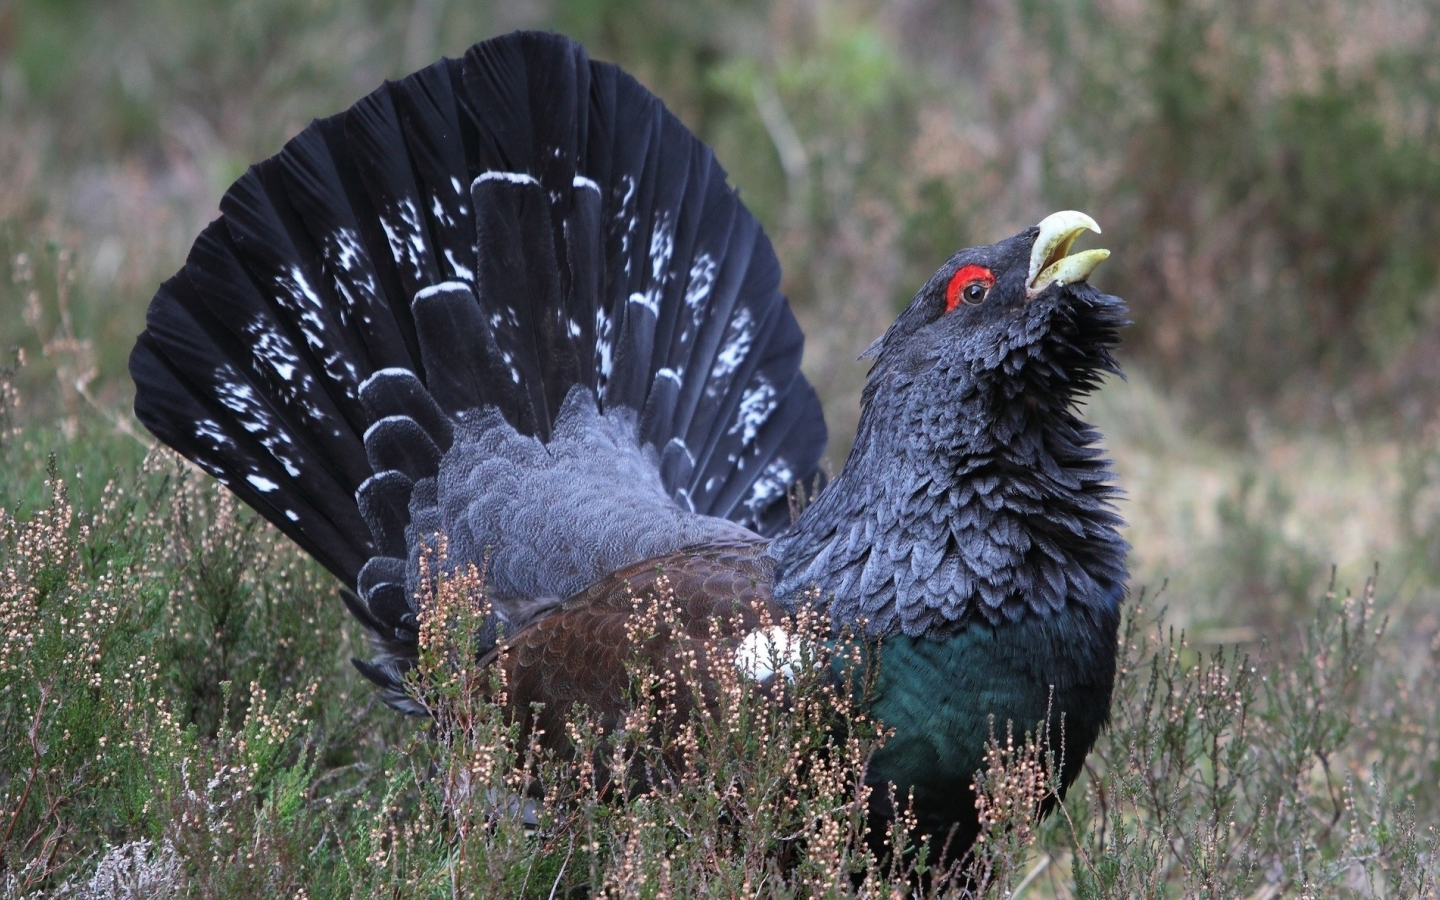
(991, 314)
(974, 488)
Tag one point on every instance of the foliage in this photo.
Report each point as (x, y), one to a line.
(1231, 773)
(177, 715)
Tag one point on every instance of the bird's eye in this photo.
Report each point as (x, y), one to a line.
(969, 285)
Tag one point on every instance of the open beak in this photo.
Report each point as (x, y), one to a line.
(1050, 262)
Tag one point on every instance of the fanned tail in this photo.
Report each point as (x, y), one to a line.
(486, 234)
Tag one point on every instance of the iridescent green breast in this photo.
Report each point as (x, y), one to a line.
(942, 697)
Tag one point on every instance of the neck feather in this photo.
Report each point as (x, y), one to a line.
(966, 497)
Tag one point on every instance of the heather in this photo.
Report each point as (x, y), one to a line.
(178, 712)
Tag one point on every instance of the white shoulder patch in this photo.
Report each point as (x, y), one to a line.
(768, 652)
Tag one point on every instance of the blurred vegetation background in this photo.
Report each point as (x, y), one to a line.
(1269, 181)
(1268, 177)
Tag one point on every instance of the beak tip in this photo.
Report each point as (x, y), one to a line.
(1051, 260)
(1067, 221)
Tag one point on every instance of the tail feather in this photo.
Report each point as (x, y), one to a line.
(759, 490)
(213, 415)
(262, 278)
(519, 281)
(399, 443)
(379, 150)
(366, 251)
(384, 501)
(269, 329)
(711, 299)
(458, 348)
(397, 392)
(583, 276)
(490, 232)
(429, 122)
(676, 320)
(311, 179)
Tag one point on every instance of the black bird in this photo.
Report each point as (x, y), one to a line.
(512, 301)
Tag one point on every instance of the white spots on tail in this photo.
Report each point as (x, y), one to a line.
(582, 182)
(698, 287)
(292, 515)
(441, 214)
(461, 270)
(604, 342)
(350, 270)
(625, 213)
(298, 288)
(670, 374)
(739, 336)
(405, 235)
(702, 281)
(662, 248)
(262, 484)
(626, 199)
(238, 397)
(774, 480)
(344, 251)
(573, 327)
(756, 405)
(497, 175)
(210, 430)
(767, 652)
(275, 350)
(311, 316)
(458, 186)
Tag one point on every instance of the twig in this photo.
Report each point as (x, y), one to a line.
(35, 767)
(1030, 877)
(793, 158)
(561, 874)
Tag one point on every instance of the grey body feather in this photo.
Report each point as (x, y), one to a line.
(546, 520)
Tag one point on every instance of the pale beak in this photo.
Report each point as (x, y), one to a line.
(1049, 260)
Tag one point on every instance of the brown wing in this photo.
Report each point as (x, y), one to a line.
(658, 612)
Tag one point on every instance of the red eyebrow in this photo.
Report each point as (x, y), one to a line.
(965, 276)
